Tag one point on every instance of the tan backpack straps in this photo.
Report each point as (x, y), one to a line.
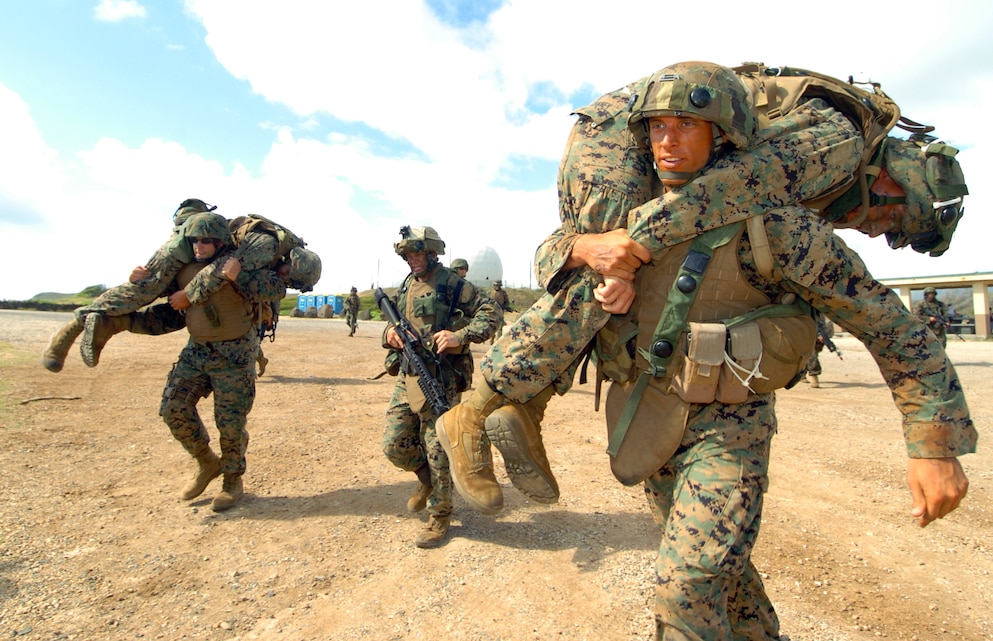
(761, 250)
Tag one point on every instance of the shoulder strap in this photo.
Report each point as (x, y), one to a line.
(761, 250)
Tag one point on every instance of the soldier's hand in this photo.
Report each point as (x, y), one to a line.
(231, 268)
(610, 254)
(938, 485)
(179, 301)
(446, 341)
(393, 338)
(139, 273)
(615, 295)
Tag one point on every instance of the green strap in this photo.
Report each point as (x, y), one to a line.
(672, 322)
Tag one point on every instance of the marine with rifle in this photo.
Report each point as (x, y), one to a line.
(423, 346)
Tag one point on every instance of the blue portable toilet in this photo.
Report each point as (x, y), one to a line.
(337, 303)
(310, 300)
(319, 301)
(302, 303)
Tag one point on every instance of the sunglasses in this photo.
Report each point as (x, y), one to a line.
(204, 241)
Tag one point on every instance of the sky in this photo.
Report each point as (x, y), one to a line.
(346, 121)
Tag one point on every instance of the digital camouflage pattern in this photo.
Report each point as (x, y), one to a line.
(410, 439)
(224, 368)
(602, 177)
(708, 496)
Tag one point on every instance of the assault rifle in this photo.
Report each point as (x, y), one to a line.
(432, 389)
(942, 322)
(828, 343)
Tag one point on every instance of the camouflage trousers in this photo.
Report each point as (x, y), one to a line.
(542, 347)
(707, 501)
(226, 369)
(352, 319)
(129, 297)
(410, 441)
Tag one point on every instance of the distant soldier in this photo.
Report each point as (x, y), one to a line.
(502, 299)
(933, 313)
(461, 267)
(825, 329)
(351, 306)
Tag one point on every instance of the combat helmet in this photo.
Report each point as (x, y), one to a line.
(207, 225)
(927, 171)
(189, 207)
(930, 290)
(701, 90)
(419, 239)
(305, 269)
(460, 263)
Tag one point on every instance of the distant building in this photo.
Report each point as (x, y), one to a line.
(484, 268)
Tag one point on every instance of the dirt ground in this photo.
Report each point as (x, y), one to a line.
(95, 543)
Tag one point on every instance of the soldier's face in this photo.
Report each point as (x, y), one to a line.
(203, 248)
(882, 219)
(418, 262)
(461, 271)
(680, 144)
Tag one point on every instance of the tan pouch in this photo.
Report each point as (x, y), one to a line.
(655, 431)
(696, 381)
(787, 343)
(739, 371)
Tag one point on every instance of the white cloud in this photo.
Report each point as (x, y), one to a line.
(118, 10)
(447, 92)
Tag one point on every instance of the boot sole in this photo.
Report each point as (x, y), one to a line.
(86, 347)
(525, 472)
(446, 445)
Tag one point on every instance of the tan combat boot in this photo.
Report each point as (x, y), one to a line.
(434, 534)
(208, 469)
(229, 495)
(97, 331)
(515, 430)
(461, 434)
(419, 499)
(54, 356)
(263, 362)
(814, 381)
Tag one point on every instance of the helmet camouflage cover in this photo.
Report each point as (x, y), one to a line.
(927, 171)
(207, 225)
(189, 207)
(419, 239)
(701, 90)
(305, 269)
(460, 263)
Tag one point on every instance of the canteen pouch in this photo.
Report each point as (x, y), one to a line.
(740, 367)
(787, 343)
(696, 381)
(653, 434)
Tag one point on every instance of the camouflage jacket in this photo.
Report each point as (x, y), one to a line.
(812, 262)
(810, 150)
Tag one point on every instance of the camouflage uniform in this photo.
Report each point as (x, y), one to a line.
(927, 309)
(707, 498)
(351, 308)
(607, 181)
(410, 440)
(220, 359)
(824, 328)
(499, 296)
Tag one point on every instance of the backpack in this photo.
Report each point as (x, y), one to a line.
(243, 225)
(778, 90)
